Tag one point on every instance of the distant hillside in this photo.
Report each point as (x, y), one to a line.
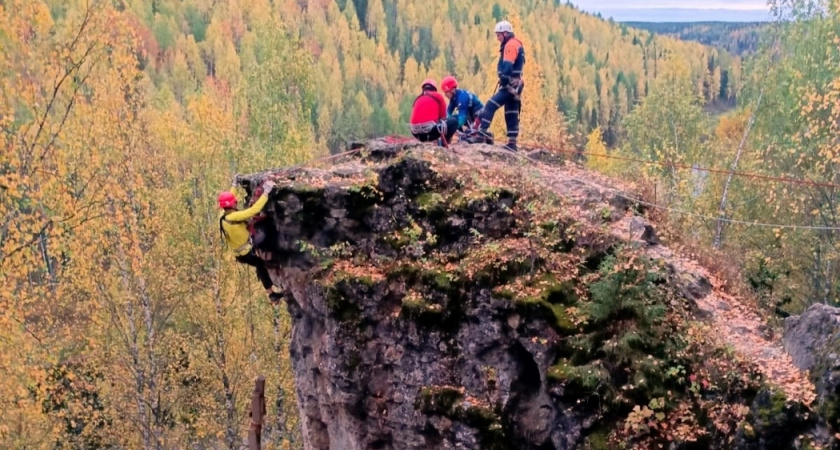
(369, 56)
(690, 15)
(738, 38)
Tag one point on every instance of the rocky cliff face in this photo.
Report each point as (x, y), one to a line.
(472, 300)
(813, 339)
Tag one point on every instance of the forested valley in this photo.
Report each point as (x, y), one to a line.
(123, 321)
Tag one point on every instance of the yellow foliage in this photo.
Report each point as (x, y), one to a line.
(112, 279)
(597, 156)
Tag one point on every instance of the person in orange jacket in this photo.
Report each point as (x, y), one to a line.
(233, 226)
(509, 69)
(428, 116)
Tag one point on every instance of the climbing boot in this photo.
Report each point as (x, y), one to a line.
(510, 146)
(275, 297)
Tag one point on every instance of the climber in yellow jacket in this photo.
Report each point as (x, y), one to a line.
(233, 225)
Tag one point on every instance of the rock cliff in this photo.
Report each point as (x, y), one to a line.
(813, 340)
(477, 299)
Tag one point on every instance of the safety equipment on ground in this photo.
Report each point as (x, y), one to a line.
(480, 137)
(449, 84)
(227, 200)
(429, 83)
(504, 27)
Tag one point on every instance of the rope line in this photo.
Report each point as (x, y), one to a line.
(686, 167)
(618, 193)
(701, 216)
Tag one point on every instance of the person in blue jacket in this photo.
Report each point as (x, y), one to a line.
(467, 104)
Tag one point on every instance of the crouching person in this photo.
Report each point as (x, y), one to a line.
(233, 225)
(428, 116)
(468, 106)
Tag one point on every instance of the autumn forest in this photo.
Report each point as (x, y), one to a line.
(123, 321)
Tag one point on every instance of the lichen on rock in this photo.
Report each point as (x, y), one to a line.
(465, 300)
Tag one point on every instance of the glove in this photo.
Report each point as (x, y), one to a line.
(515, 87)
(476, 119)
(268, 185)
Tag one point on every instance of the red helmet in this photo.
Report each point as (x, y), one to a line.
(227, 200)
(429, 82)
(449, 84)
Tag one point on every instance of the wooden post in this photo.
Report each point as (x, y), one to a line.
(257, 414)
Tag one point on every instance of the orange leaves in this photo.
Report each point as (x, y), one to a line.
(350, 269)
(111, 207)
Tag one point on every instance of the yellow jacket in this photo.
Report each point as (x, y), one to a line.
(234, 226)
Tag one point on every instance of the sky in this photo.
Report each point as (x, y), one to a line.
(678, 10)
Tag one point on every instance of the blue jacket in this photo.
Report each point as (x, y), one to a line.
(511, 60)
(467, 104)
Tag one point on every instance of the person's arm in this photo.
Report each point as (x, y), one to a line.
(463, 108)
(509, 54)
(441, 105)
(479, 104)
(256, 208)
(245, 214)
(451, 108)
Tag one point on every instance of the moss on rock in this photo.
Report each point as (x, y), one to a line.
(556, 315)
(488, 423)
(430, 200)
(439, 400)
(341, 307)
(451, 402)
(580, 381)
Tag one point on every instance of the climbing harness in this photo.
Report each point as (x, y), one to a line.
(423, 128)
(515, 87)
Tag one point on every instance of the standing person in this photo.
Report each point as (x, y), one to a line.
(511, 61)
(428, 116)
(233, 225)
(467, 104)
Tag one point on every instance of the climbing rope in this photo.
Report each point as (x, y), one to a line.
(757, 176)
(619, 193)
(442, 129)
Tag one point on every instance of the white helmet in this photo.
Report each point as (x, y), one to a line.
(504, 26)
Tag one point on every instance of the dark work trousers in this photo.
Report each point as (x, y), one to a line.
(503, 97)
(451, 128)
(252, 259)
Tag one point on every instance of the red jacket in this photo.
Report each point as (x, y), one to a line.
(428, 107)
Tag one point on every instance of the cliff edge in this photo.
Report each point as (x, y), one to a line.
(473, 298)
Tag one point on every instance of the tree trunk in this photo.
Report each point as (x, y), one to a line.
(722, 208)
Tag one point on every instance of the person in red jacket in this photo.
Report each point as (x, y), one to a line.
(428, 116)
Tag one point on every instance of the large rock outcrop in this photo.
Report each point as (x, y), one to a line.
(813, 340)
(446, 300)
